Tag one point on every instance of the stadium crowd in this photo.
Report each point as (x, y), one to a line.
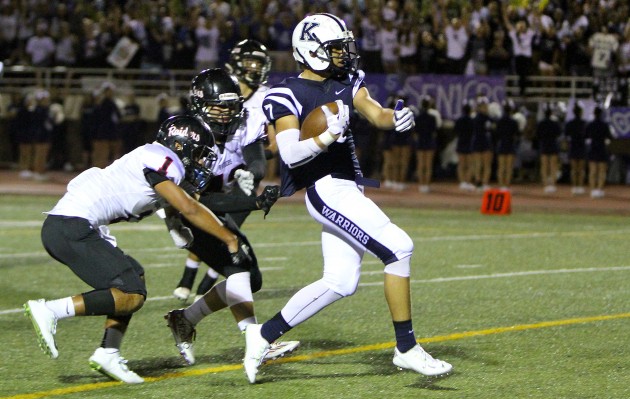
(547, 37)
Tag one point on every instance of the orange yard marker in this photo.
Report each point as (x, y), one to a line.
(496, 202)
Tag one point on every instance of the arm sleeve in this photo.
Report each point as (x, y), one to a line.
(228, 203)
(154, 177)
(254, 156)
(293, 151)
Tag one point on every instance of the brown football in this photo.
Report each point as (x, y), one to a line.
(315, 122)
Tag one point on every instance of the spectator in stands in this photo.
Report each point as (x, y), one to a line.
(548, 132)
(575, 132)
(9, 22)
(598, 133)
(498, 58)
(107, 143)
(624, 54)
(548, 46)
(427, 53)
(478, 46)
(67, 46)
(463, 130)
(185, 44)
(390, 46)
(41, 47)
(90, 52)
(603, 46)
(457, 37)
(280, 32)
(408, 38)
(522, 37)
(369, 42)
(207, 34)
(577, 53)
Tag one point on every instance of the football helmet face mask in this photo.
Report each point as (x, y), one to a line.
(322, 42)
(250, 62)
(215, 97)
(191, 140)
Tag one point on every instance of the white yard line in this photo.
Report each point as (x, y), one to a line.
(439, 280)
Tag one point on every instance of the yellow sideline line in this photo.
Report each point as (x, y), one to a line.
(338, 352)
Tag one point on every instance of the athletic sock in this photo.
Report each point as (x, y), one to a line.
(197, 311)
(274, 328)
(112, 338)
(189, 276)
(405, 338)
(207, 283)
(245, 322)
(62, 308)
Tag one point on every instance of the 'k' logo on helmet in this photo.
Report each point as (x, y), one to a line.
(306, 31)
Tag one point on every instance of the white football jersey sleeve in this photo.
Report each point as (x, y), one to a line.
(120, 192)
(254, 129)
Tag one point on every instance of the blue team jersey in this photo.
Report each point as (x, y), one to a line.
(296, 96)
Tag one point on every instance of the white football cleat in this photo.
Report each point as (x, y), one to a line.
(184, 333)
(181, 293)
(108, 361)
(45, 324)
(418, 360)
(256, 347)
(280, 349)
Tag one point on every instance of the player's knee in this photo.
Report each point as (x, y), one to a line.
(343, 287)
(401, 267)
(135, 302)
(403, 247)
(127, 303)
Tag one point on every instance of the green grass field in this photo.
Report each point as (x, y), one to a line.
(524, 306)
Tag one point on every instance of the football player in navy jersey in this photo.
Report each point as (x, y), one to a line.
(327, 167)
(76, 234)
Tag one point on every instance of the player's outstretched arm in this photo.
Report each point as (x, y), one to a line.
(196, 213)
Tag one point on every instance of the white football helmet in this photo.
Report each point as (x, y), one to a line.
(323, 42)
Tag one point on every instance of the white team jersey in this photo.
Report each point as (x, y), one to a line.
(604, 46)
(254, 129)
(120, 192)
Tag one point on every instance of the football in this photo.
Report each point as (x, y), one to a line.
(315, 122)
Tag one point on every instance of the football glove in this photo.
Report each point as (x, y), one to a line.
(403, 120)
(182, 237)
(339, 122)
(245, 180)
(268, 197)
(242, 255)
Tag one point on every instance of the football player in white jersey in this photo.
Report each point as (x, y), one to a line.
(216, 97)
(327, 167)
(75, 233)
(241, 160)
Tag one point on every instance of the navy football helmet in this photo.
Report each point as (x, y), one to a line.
(216, 97)
(250, 62)
(191, 140)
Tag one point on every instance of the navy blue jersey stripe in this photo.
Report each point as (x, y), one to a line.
(347, 225)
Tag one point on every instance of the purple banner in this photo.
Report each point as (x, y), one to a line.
(448, 91)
